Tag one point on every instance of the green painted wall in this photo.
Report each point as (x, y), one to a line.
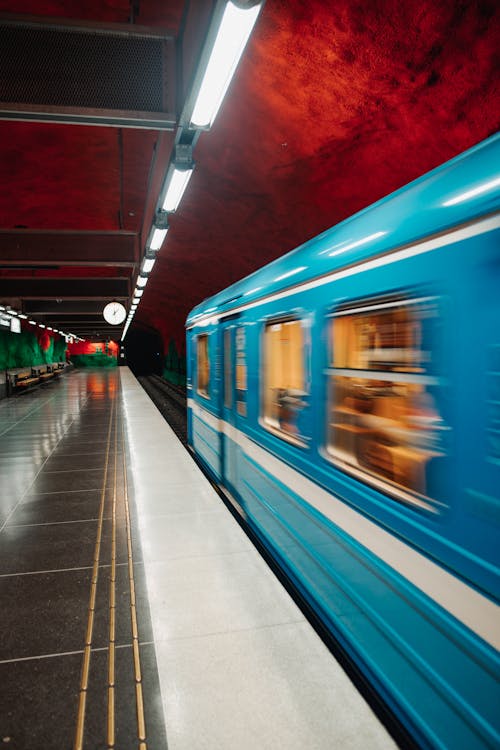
(24, 350)
(174, 369)
(98, 359)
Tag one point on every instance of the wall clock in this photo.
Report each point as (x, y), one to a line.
(114, 313)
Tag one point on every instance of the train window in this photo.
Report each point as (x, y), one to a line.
(203, 365)
(241, 372)
(384, 421)
(284, 395)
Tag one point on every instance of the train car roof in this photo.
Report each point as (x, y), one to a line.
(453, 194)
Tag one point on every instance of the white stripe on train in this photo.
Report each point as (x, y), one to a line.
(470, 607)
(448, 238)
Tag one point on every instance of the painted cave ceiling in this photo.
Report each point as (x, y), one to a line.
(333, 106)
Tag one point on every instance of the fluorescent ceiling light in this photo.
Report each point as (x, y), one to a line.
(157, 238)
(124, 332)
(49, 328)
(41, 325)
(177, 184)
(141, 281)
(147, 265)
(235, 28)
(138, 292)
(32, 323)
(24, 317)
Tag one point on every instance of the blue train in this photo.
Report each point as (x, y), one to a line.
(346, 398)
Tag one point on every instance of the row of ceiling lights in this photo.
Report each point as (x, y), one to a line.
(230, 28)
(8, 317)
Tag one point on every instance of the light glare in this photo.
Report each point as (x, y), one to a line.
(290, 273)
(472, 193)
(345, 245)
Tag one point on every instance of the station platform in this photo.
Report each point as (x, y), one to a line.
(135, 611)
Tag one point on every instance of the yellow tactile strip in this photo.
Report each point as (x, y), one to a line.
(111, 676)
(82, 698)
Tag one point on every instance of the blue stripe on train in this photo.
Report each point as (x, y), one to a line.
(433, 666)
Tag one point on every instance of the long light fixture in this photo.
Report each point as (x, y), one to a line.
(178, 175)
(230, 28)
(178, 183)
(232, 25)
(158, 237)
(158, 231)
(147, 264)
(10, 314)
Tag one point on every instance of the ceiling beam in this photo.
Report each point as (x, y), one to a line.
(46, 248)
(67, 308)
(65, 288)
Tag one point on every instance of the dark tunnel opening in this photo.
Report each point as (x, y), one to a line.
(144, 351)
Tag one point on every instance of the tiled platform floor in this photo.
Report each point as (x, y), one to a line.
(223, 656)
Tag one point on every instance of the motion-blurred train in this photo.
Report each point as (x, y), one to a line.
(346, 398)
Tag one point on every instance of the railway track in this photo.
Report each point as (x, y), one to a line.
(170, 400)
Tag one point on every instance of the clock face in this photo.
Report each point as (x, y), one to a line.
(114, 313)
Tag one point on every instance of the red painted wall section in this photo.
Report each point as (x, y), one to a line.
(92, 347)
(94, 354)
(334, 105)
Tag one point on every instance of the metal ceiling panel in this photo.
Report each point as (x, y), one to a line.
(63, 288)
(78, 248)
(95, 73)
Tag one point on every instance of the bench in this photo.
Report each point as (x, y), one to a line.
(43, 372)
(22, 379)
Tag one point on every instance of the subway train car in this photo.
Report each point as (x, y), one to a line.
(346, 399)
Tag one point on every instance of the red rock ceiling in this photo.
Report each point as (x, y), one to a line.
(334, 105)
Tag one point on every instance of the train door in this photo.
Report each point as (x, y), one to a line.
(229, 426)
(480, 410)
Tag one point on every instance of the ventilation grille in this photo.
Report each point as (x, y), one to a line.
(65, 67)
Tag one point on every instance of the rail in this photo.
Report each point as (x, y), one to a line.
(170, 400)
